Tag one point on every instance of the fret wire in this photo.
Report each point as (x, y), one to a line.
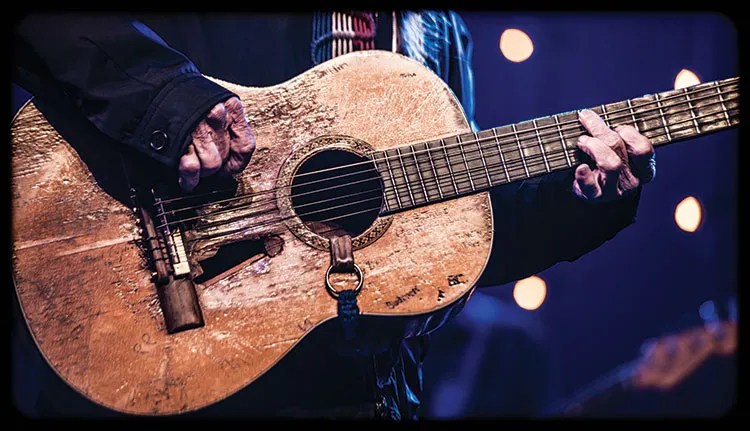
(541, 146)
(434, 171)
(385, 201)
(406, 176)
(660, 109)
(632, 115)
(663, 119)
(656, 130)
(559, 130)
(448, 163)
(500, 151)
(690, 106)
(562, 141)
(419, 174)
(468, 170)
(655, 109)
(393, 180)
(520, 151)
(686, 121)
(557, 156)
(721, 100)
(481, 157)
(657, 133)
(604, 114)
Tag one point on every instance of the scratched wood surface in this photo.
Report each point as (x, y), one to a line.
(85, 290)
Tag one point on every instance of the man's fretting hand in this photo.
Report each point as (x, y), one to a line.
(624, 159)
(222, 142)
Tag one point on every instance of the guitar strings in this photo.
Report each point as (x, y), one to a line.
(467, 174)
(272, 201)
(432, 188)
(512, 163)
(715, 91)
(609, 117)
(479, 150)
(441, 182)
(429, 150)
(459, 181)
(273, 221)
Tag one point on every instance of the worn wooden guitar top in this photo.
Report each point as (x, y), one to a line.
(87, 293)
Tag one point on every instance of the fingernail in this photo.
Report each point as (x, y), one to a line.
(586, 112)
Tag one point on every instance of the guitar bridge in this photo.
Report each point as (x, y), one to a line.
(177, 254)
(173, 241)
(163, 241)
(175, 287)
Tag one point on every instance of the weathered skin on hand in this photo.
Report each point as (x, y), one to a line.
(622, 157)
(222, 141)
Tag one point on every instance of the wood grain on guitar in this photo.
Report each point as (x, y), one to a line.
(86, 291)
(256, 252)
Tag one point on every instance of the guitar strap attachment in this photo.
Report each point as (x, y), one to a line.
(342, 262)
(342, 255)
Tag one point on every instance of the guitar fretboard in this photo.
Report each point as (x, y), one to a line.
(449, 167)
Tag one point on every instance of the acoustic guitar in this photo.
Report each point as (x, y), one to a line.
(366, 179)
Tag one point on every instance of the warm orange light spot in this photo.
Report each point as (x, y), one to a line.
(516, 45)
(686, 78)
(688, 214)
(530, 292)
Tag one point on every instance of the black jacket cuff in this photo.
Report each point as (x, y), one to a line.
(169, 121)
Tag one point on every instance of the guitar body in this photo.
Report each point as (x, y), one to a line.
(87, 292)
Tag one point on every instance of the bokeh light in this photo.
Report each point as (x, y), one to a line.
(516, 45)
(688, 214)
(530, 292)
(686, 78)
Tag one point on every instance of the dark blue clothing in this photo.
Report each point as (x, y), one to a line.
(130, 83)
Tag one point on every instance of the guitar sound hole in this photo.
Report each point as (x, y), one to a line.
(336, 192)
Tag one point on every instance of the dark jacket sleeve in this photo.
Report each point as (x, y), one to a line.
(538, 222)
(119, 75)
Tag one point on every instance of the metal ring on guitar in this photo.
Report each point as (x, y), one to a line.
(335, 292)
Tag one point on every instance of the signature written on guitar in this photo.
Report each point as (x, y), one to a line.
(400, 299)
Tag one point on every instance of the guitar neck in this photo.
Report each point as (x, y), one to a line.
(612, 383)
(454, 166)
